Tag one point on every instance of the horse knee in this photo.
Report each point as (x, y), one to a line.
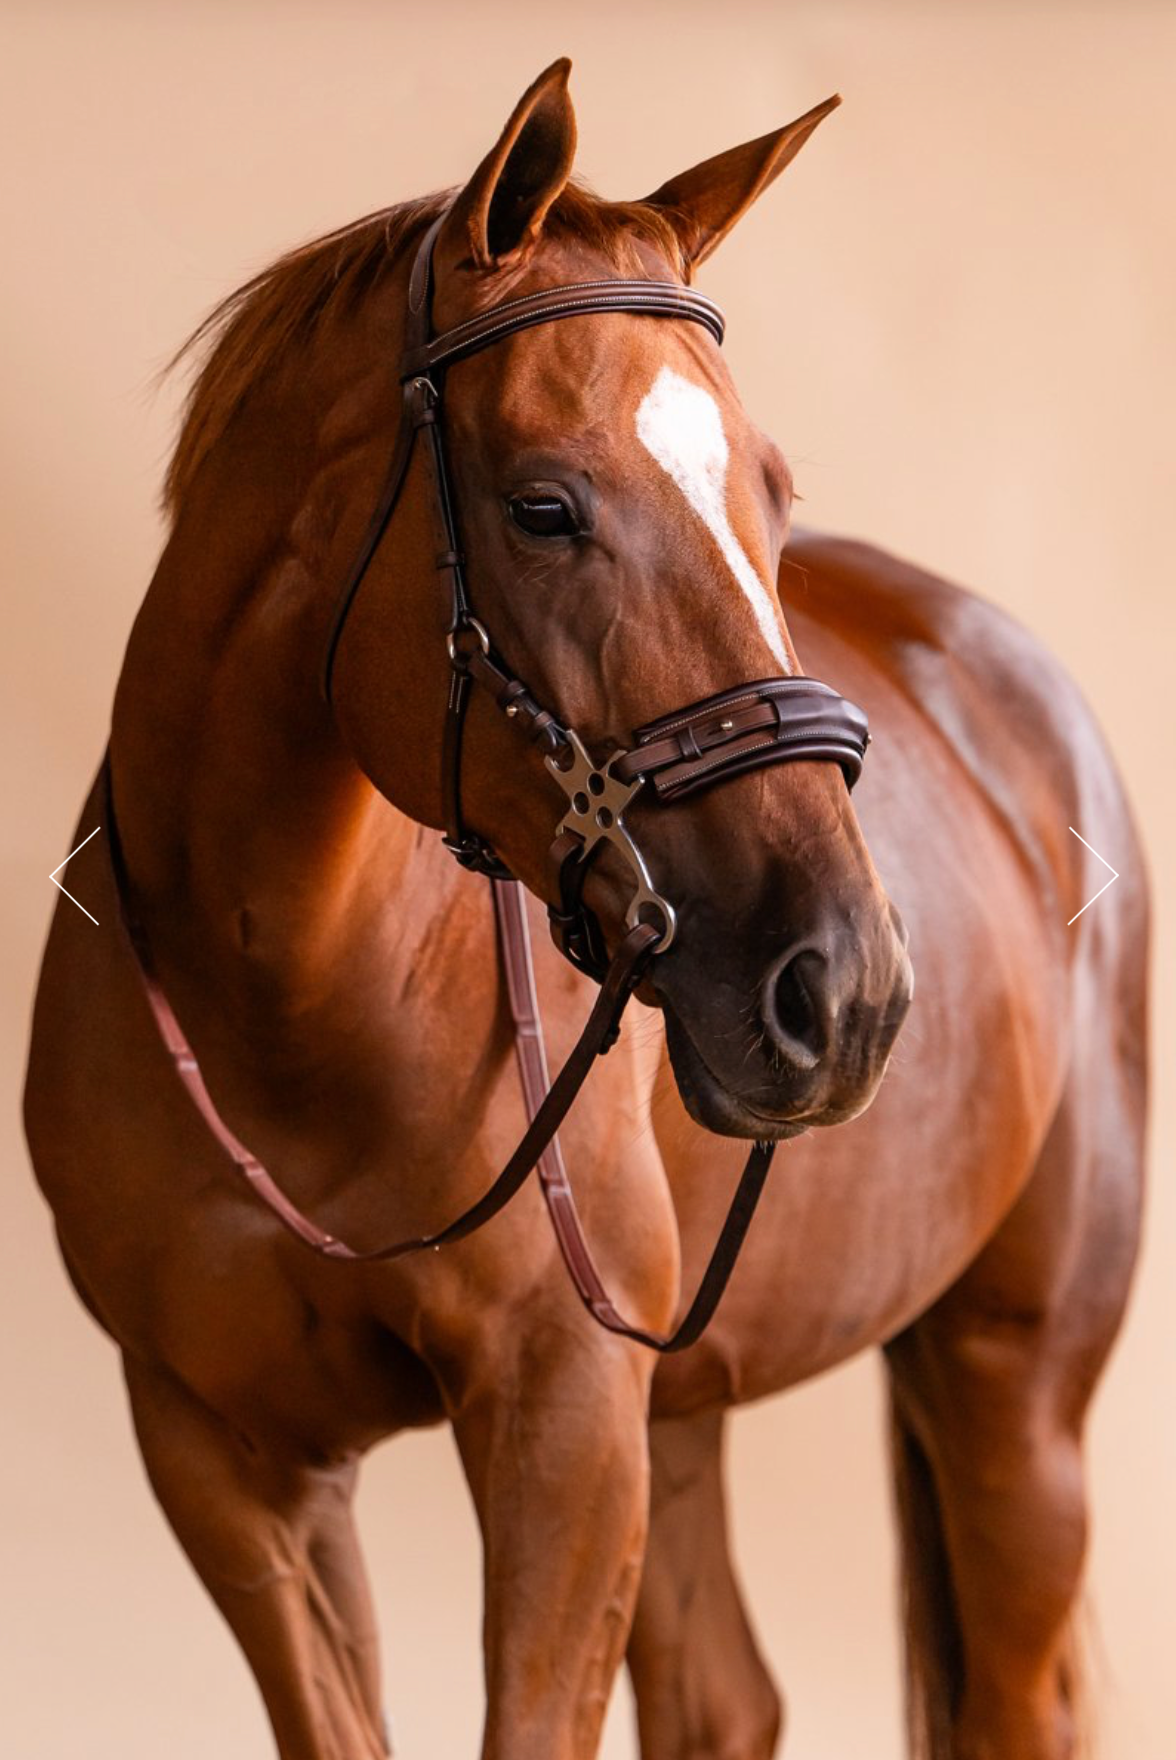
(710, 1717)
(755, 1722)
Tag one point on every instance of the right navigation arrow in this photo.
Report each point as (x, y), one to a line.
(1114, 873)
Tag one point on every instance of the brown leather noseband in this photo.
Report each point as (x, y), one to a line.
(767, 721)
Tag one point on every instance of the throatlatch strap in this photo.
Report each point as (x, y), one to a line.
(515, 942)
(373, 533)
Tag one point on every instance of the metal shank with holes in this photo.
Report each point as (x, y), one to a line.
(597, 799)
(765, 721)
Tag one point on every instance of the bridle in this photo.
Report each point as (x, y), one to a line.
(735, 730)
(767, 721)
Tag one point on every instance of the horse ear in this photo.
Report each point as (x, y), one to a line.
(499, 213)
(704, 204)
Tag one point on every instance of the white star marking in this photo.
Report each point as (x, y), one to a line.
(679, 423)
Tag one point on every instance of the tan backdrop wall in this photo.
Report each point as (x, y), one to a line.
(955, 313)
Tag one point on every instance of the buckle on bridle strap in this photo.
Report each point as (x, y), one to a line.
(462, 653)
(477, 856)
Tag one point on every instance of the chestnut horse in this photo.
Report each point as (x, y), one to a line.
(336, 974)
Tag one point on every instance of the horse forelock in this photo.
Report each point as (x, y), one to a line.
(254, 327)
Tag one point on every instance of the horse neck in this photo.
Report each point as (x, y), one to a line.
(258, 851)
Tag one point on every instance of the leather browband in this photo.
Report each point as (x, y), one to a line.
(657, 299)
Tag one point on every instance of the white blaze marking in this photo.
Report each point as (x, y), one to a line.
(679, 423)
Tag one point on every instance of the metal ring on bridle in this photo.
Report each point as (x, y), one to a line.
(663, 907)
(479, 630)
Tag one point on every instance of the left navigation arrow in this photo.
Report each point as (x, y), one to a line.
(61, 888)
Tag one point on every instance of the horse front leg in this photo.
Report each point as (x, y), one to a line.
(701, 1685)
(272, 1539)
(553, 1436)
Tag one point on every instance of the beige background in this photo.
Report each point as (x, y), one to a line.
(955, 313)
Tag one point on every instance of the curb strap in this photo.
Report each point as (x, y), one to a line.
(575, 929)
(515, 942)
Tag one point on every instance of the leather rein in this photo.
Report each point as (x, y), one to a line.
(767, 721)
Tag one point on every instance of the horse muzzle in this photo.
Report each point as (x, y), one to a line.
(805, 1045)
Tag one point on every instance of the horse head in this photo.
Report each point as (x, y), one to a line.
(621, 521)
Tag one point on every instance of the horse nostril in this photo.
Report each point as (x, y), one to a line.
(795, 1008)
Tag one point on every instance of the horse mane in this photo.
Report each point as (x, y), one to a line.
(249, 331)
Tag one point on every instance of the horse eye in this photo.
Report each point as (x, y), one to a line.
(543, 516)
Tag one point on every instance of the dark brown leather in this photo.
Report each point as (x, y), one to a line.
(514, 940)
(412, 404)
(516, 702)
(657, 299)
(574, 929)
(766, 722)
